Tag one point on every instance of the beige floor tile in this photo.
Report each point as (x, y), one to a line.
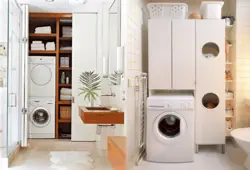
(209, 158)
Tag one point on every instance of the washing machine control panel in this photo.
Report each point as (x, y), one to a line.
(179, 105)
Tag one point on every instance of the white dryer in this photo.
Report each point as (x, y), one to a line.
(41, 118)
(170, 128)
(42, 73)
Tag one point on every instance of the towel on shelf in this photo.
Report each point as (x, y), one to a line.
(45, 30)
(37, 45)
(66, 91)
(65, 97)
(50, 46)
(65, 48)
(37, 42)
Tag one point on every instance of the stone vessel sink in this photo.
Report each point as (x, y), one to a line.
(100, 115)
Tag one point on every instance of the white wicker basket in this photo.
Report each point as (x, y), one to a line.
(168, 10)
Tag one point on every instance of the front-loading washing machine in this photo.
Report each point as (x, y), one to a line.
(42, 76)
(41, 118)
(170, 128)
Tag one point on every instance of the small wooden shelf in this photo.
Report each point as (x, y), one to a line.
(65, 51)
(229, 81)
(42, 52)
(65, 68)
(65, 38)
(64, 102)
(229, 99)
(229, 63)
(65, 85)
(64, 120)
(229, 116)
(42, 35)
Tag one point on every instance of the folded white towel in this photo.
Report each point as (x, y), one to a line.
(37, 42)
(66, 48)
(50, 49)
(37, 45)
(43, 27)
(67, 35)
(66, 91)
(37, 49)
(65, 97)
(42, 32)
(48, 43)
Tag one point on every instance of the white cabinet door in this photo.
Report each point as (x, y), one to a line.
(183, 54)
(160, 54)
(84, 58)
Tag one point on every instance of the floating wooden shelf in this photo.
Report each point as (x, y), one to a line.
(42, 35)
(65, 38)
(65, 51)
(64, 102)
(229, 98)
(65, 85)
(229, 116)
(64, 120)
(41, 52)
(65, 68)
(229, 81)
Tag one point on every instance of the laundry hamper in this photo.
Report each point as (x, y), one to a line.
(65, 112)
(168, 10)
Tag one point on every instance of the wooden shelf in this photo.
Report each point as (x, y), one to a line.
(42, 35)
(64, 102)
(65, 68)
(229, 81)
(41, 52)
(64, 120)
(229, 117)
(65, 51)
(65, 85)
(229, 98)
(65, 38)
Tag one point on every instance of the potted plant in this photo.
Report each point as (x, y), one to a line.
(91, 83)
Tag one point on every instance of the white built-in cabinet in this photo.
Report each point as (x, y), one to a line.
(171, 54)
(210, 82)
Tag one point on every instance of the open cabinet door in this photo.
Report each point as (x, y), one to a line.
(84, 58)
(24, 75)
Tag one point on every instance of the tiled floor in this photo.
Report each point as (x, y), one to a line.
(36, 156)
(209, 158)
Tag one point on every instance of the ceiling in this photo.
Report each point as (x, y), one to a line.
(64, 5)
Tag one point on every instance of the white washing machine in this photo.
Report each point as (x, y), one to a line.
(41, 118)
(42, 73)
(170, 128)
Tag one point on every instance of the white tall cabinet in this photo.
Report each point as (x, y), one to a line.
(84, 58)
(171, 54)
(210, 78)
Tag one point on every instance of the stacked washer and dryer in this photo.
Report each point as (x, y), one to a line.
(41, 111)
(186, 102)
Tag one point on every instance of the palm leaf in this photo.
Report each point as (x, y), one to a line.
(91, 83)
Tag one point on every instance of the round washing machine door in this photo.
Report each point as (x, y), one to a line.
(40, 117)
(169, 127)
(40, 75)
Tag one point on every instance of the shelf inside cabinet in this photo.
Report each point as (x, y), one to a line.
(65, 85)
(65, 68)
(64, 120)
(66, 102)
(42, 35)
(65, 51)
(65, 38)
(42, 52)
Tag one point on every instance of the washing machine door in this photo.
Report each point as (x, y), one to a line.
(169, 127)
(40, 117)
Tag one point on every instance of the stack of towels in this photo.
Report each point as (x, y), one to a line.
(67, 31)
(50, 46)
(43, 30)
(66, 94)
(37, 45)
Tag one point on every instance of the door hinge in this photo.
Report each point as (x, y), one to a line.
(24, 40)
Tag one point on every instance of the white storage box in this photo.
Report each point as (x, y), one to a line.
(168, 10)
(211, 9)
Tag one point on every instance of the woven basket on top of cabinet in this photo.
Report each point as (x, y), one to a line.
(65, 112)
